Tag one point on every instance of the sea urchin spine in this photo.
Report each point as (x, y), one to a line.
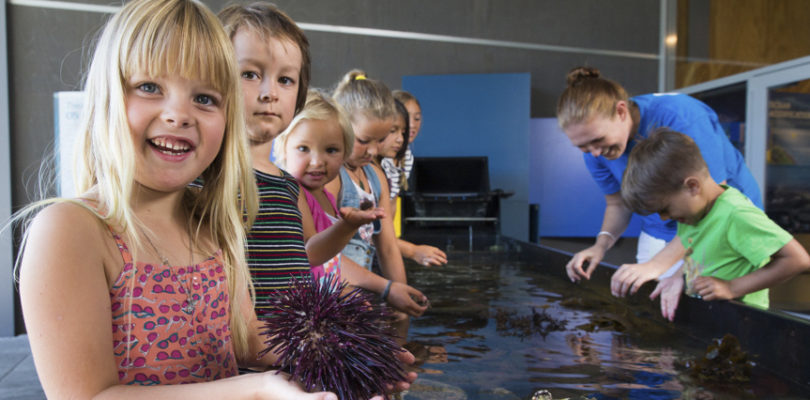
(330, 340)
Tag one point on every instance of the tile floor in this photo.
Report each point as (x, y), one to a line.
(18, 379)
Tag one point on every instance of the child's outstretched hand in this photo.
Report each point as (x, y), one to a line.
(670, 289)
(279, 386)
(406, 358)
(428, 256)
(407, 299)
(710, 288)
(357, 217)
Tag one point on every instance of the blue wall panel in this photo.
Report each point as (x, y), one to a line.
(571, 204)
(480, 115)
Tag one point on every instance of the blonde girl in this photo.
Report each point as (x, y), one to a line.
(141, 282)
(371, 110)
(312, 149)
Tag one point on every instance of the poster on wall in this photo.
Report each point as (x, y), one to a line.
(67, 112)
(787, 197)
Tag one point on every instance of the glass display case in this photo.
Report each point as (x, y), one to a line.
(729, 104)
(766, 114)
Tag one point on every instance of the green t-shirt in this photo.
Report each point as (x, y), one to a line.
(734, 239)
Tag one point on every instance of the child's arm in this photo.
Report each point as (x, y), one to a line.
(386, 241)
(319, 249)
(786, 263)
(400, 295)
(324, 245)
(630, 277)
(422, 253)
(64, 292)
(670, 289)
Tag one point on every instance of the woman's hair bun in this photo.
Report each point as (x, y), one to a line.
(578, 74)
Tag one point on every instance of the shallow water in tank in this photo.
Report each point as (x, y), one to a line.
(477, 340)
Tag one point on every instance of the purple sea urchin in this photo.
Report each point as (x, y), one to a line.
(335, 341)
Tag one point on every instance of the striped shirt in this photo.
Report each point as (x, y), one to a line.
(394, 173)
(275, 243)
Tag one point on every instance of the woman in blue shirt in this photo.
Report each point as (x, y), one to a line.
(601, 120)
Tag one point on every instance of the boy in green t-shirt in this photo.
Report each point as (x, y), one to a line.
(731, 248)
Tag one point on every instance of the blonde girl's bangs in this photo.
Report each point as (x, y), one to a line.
(319, 106)
(179, 43)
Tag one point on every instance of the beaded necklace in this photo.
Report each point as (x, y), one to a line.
(191, 304)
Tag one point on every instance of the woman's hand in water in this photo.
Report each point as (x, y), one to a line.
(428, 256)
(407, 299)
(357, 217)
(592, 255)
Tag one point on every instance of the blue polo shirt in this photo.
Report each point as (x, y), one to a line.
(695, 119)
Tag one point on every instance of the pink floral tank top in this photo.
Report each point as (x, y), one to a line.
(162, 339)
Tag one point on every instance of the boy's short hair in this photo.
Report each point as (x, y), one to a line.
(658, 167)
(268, 21)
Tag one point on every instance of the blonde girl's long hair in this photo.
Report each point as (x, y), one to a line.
(587, 95)
(161, 38)
(319, 107)
(362, 96)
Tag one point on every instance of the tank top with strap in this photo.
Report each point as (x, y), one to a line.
(361, 248)
(157, 338)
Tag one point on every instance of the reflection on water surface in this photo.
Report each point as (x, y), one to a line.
(487, 336)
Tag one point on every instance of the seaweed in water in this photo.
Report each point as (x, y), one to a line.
(603, 323)
(724, 362)
(582, 304)
(508, 323)
(330, 340)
